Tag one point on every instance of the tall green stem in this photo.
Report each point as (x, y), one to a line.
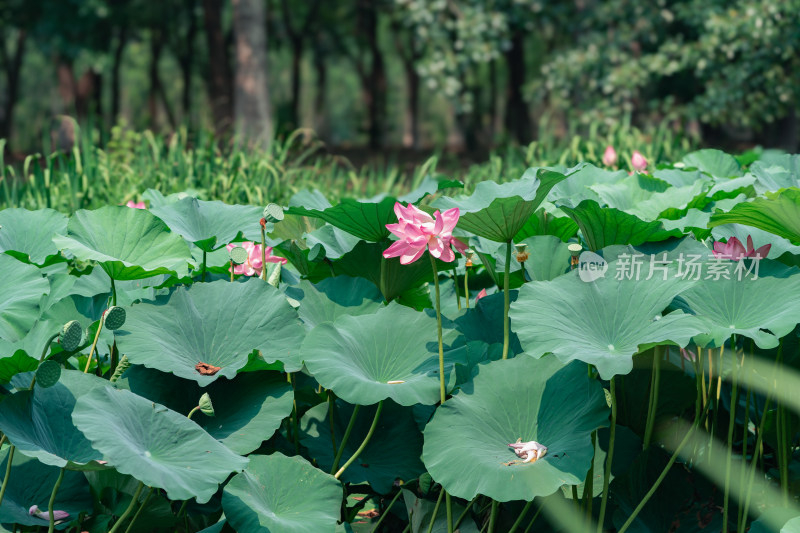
(345, 438)
(113, 292)
(331, 401)
(52, 504)
(449, 508)
(609, 456)
(263, 253)
(8, 473)
(203, 271)
(731, 424)
(442, 394)
(455, 285)
(521, 517)
(139, 510)
(435, 511)
(506, 300)
(386, 512)
(653, 406)
(466, 286)
(94, 345)
(364, 443)
(588, 485)
(133, 503)
(493, 516)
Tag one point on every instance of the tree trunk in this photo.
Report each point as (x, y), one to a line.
(220, 88)
(251, 98)
(492, 102)
(411, 139)
(375, 86)
(12, 67)
(321, 69)
(115, 70)
(518, 122)
(186, 61)
(153, 93)
(297, 58)
(66, 84)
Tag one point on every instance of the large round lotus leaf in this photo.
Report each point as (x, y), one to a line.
(576, 188)
(210, 225)
(279, 494)
(714, 162)
(603, 322)
(466, 442)
(392, 453)
(248, 409)
(497, 211)
(335, 241)
(128, 243)
(366, 219)
(763, 309)
(392, 353)
(549, 257)
(217, 324)
(334, 297)
(604, 226)
(157, 446)
(28, 235)
(543, 222)
(648, 197)
(21, 287)
(778, 213)
(31, 483)
(39, 422)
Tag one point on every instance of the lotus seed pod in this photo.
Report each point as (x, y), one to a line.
(48, 373)
(574, 249)
(317, 253)
(238, 255)
(114, 318)
(274, 278)
(521, 252)
(273, 213)
(123, 365)
(205, 405)
(71, 336)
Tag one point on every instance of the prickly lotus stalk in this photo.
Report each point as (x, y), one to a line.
(123, 365)
(71, 336)
(114, 317)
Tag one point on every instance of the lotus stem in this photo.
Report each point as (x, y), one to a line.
(741, 514)
(8, 472)
(364, 443)
(442, 394)
(94, 345)
(506, 300)
(435, 510)
(609, 455)
(663, 474)
(113, 293)
(386, 512)
(533, 520)
(203, 269)
(47, 346)
(331, 402)
(125, 514)
(588, 486)
(455, 285)
(263, 253)
(231, 270)
(449, 508)
(139, 510)
(464, 513)
(521, 517)
(52, 504)
(756, 452)
(193, 411)
(575, 499)
(655, 378)
(466, 286)
(295, 422)
(731, 425)
(493, 516)
(345, 438)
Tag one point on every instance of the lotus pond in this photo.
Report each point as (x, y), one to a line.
(576, 349)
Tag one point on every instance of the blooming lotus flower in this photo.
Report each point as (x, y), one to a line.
(253, 265)
(45, 515)
(419, 231)
(136, 205)
(529, 452)
(735, 250)
(610, 156)
(638, 162)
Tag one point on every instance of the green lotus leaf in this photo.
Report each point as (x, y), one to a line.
(217, 323)
(694, 218)
(420, 511)
(391, 353)
(781, 173)
(714, 162)
(366, 219)
(678, 177)
(334, 297)
(392, 453)
(466, 442)
(543, 222)
(778, 213)
(335, 241)
(157, 446)
(602, 322)
(279, 494)
(38, 422)
(28, 235)
(777, 520)
(247, 409)
(498, 211)
(763, 309)
(22, 287)
(210, 225)
(216, 528)
(549, 257)
(31, 483)
(16, 363)
(128, 243)
(647, 197)
(578, 187)
(429, 185)
(603, 227)
(484, 321)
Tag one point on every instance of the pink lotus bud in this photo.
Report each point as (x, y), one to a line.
(136, 205)
(480, 295)
(638, 161)
(45, 515)
(610, 156)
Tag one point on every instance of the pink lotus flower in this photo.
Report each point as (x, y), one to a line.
(253, 265)
(480, 295)
(610, 156)
(45, 515)
(136, 205)
(735, 250)
(638, 162)
(419, 231)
